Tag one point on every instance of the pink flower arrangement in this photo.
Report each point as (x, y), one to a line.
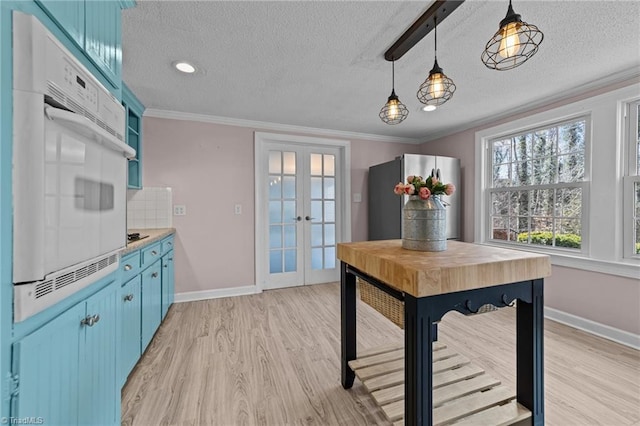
(424, 188)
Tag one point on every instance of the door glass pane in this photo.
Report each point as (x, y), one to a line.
(316, 210)
(289, 211)
(316, 235)
(329, 234)
(329, 188)
(275, 162)
(329, 211)
(329, 257)
(289, 187)
(316, 258)
(289, 163)
(290, 235)
(289, 260)
(275, 236)
(316, 187)
(316, 164)
(329, 165)
(275, 188)
(275, 261)
(275, 212)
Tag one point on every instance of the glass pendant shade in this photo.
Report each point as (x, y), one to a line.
(394, 111)
(437, 88)
(513, 44)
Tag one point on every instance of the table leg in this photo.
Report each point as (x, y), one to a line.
(529, 351)
(348, 323)
(418, 361)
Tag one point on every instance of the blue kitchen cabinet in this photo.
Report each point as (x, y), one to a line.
(65, 370)
(133, 112)
(103, 37)
(167, 282)
(69, 15)
(151, 302)
(130, 327)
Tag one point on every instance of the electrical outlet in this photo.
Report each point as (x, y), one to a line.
(357, 197)
(238, 208)
(179, 210)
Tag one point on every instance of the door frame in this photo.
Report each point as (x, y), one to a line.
(260, 161)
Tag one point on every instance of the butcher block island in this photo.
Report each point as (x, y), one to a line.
(425, 383)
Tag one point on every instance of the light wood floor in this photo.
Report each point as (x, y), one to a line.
(273, 359)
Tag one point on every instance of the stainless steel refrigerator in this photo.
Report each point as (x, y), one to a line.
(385, 207)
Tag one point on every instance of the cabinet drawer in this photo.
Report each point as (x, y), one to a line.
(130, 266)
(167, 244)
(151, 254)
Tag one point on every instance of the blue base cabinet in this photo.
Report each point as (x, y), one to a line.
(67, 368)
(151, 302)
(130, 327)
(167, 282)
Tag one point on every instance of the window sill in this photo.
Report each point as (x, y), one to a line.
(628, 268)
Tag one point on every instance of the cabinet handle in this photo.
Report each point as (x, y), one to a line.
(127, 267)
(166, 266)
(88, 321)
(154, 253)
(96, 318)
(169, 243)
(155, 274)
(128, 298)
(171, 258)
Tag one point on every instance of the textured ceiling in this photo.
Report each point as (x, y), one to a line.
(320, 64)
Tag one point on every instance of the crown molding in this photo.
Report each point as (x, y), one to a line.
(263, 125)
(615, 78)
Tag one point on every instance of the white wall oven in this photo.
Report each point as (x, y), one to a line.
(69, 172)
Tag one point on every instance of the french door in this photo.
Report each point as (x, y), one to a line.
(301, 213)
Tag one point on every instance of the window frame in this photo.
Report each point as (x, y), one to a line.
(603, 229)
(583, 184)
(631, 174)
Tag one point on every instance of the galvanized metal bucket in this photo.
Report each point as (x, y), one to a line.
(423, 224)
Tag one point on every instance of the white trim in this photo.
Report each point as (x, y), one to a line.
(192, 296)
(611, 333)
(622, 76)
(263, 125)
(260, 139)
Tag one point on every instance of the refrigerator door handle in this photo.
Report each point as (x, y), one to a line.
(438, 175)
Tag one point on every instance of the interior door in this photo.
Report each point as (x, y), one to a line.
(302, 212)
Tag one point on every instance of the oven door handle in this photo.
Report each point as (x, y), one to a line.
(87, 128)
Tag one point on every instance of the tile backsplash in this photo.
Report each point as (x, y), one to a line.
(149, 208)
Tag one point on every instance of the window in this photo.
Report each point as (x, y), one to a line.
(537, 185)
(632, 181)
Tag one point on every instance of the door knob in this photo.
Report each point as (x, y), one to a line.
(308, 218)
(299, 218)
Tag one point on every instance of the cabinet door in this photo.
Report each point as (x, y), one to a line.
(103, 38)
(99, 395)
(69, 15)
(151, 302)
(167, 282)
(46, 363)
(130, 326)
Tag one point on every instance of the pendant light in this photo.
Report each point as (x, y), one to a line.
(437, 88)
(513, 44)
(394, 111)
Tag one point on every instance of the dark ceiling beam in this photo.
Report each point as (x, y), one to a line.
(423, 26)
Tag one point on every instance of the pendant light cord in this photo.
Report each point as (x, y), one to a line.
(393, 75)
(435, 30)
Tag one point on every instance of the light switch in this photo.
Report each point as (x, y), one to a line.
(357, 197)
(238, 208)
(179, 210)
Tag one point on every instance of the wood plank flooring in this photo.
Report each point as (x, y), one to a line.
(273, 359)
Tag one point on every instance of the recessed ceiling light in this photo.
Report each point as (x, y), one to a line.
(429, 108)
(185, 67)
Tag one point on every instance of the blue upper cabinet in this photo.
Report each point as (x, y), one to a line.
(95, 26)
(134, 110)
(69, 15)
(103, 37)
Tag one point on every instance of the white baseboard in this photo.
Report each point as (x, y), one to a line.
(192, 296)
(620, 336)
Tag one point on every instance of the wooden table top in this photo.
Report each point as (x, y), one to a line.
(463, 266)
